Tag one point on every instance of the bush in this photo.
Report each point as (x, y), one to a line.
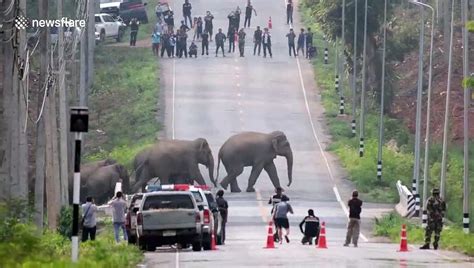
(65, 222)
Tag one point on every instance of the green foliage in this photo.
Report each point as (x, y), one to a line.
(468, 82)
(13, 212)
(123, 103)
(452, 237)
(65, 221)
(470, 26)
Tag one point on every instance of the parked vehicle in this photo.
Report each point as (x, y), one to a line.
(217, 219)
(131, 218)
(133, 9)
(169, 217)
(108, 27)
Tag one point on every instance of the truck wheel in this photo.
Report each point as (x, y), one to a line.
(142, 244)
(150, 247)
(132, 239)
(197, 246)
(206, 243)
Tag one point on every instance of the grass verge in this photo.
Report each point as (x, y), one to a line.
(398, 147)
(123, 103)
(452, 238)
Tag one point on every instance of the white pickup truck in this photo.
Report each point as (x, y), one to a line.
(167, 218)
(108, 27)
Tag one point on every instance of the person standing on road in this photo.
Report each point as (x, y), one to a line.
(231, 18)
(257, 40)
(248, 13)
(187, 13)
(198, 32)
(184, 27)
(89, 210)
(165, 43)
(436, 207)
(231, 37)
(119, 205)
(289, 12)
(267, 42)
(169, 19)
(281, 218)
(205, 42)
(183, 44)
(311, 228)
(220, 40)
(208, 23)
(353, 227)
(155, 43)
(291, 42)
(301, 41)
(309, 42)
(172, 45)
(223, 210)
(134, 25)
(242, 35)
(237, 14)
(274, 201)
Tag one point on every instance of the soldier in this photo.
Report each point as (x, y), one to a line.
(220, 40)
(242, 35)
(309, 41)
(208, 26)
(237, 17)
(257, 40)
(289, 12)
(301, 41)
(231, 36)
(205, 42)
(436, 208)
(187, 13)
(291, 42)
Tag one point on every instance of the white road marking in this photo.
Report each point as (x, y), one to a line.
(177, 258)
(263, 212)
(173, 101)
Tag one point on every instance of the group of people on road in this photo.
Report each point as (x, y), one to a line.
(304, 43)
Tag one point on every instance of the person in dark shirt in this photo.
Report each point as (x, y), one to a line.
(274, 200)
(205, 42)
(223, 210)
(291, 42)
(289, 12)
(311, 228)
(248, 14)
(198, 33)
(242, 35)
(193, 50)
(237, 18)
(220, 39)
(134, 25)
(257, 40)
(231, 37)
(301, 41)
(184, 27)
(187, 13)
(309, 42)
(353, 227)
(208, 26)
(165, 41)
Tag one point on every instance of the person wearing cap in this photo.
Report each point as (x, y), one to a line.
(274, 200)
(280, 215)
(353, 227)
(223, 210)
(291, 42)
(311, 228)
(436, 207)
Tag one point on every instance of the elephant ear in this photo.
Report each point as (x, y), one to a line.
(277, 137)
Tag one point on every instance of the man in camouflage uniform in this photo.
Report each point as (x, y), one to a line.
(436, 208)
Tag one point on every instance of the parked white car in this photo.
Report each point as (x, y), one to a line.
(107, 27)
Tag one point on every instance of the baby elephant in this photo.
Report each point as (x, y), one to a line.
(257, 150)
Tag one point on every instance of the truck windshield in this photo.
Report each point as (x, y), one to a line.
(168, 202)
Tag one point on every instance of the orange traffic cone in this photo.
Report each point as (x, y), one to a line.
(213, 242)
(403, 239)
(270, 23)
(322, 237)
(270, 242)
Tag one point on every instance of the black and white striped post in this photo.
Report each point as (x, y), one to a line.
(465, 223)
(326, 55)
(361, 147)
(341, 106)
(336, 83)
(353, 127)
(79, 124)
(424, 219)
(414, 190)
(379, 170)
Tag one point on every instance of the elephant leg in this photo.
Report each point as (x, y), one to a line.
(256, 170)
(272, 173)
(197, 176)
(234, 186)
(232, 175)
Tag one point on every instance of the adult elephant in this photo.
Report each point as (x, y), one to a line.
(170, 159)
(100, 185)
(257, 150)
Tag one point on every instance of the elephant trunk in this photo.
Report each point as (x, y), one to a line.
(289, 163)
(211, 170)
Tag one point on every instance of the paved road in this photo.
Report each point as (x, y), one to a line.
(215, 98)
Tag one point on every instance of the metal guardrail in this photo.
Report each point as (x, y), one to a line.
(406, 206)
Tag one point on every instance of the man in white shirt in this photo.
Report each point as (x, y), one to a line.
(89, 222)
(119, 205)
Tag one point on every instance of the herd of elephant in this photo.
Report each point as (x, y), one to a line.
(177, 161)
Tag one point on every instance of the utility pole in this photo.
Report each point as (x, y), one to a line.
(382, 95)
(446, 111)
(354, 71)
(419, 104)
(362, 92)
(63, 99)
(467, 96)
(40, 162)
(83, 92)
(91, 7)
(341, 63)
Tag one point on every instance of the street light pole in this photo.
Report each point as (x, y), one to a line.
(467, 96)
(354, 71)
(446, 111)
(382, 93)
(362, 92)
(428, 116)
